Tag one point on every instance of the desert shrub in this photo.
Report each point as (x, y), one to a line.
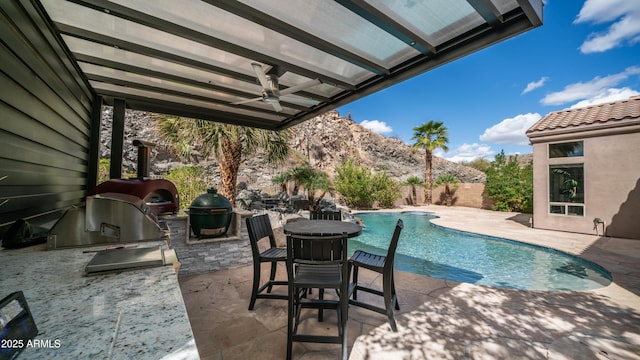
(103, 170)
(509, 184)
(481, 164)
(190, 182)
(385, 189)
(104, 166)
(353, 182)
(361, 188)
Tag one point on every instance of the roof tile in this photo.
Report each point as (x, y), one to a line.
(601, 113)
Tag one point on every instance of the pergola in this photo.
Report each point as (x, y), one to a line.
(194, 58)
(268, 64)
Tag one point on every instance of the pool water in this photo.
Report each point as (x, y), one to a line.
(437, 252)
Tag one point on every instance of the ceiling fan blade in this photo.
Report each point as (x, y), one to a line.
(299, 100)
(261, 76)
(276, 106)
(246, 101)
(299, 87)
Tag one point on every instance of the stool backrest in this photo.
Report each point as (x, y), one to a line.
(325, 215)
(259, 227)
(317, 249)
(391, 252)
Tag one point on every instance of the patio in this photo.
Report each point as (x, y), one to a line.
(443, 319)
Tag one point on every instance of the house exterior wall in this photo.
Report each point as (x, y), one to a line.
(45, 120)
(611, 184)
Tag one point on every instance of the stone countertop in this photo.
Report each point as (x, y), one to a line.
(136, 314)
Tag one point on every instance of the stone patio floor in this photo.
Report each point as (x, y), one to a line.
(441, 319)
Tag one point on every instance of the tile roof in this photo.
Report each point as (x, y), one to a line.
(628, 109)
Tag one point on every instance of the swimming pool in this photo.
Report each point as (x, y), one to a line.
(437, 252)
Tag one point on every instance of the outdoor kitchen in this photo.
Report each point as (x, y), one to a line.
(104, 285)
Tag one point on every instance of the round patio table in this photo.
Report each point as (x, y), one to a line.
(322, 228)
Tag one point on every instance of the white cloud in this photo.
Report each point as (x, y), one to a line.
(535, 84)
(625, 15)
(467, 152)
(376, 126)
(511, 131)
(609, 95)
(589, 89)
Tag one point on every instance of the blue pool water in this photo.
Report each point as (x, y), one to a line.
(437, 252)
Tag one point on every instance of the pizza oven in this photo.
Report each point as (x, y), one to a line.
(119, 210)
(160, 196)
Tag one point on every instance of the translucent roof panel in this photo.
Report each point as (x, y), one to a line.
(115, 56)
(109, 87)
(133, 80)
(504, 6)
(436, 20)
(104, 24)
(270, 63)
(217, 23)
(329, 20)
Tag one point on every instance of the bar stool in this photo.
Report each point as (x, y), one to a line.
(259, 228)
(382, 265)
(317, 262)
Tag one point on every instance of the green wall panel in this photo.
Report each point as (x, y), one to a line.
(45, 119)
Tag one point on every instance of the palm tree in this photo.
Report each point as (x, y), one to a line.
(312, 181)
(230, 144)
(413, 181)
(318, 181)
(281, 180)
(297, 174)
(430, 136)
(449, 181)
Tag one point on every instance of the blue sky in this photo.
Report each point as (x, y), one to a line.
(586, 52)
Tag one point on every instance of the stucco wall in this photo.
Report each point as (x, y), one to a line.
(612, 186)
(467, 194)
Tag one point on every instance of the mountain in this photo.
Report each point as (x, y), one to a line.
(323, 142)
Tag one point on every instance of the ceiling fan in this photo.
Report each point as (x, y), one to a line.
(271, 93)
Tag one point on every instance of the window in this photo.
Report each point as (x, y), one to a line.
(568, 149)
(566, 189)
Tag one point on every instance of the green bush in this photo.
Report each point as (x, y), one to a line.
(103, 170)
(360, 188)
(353, 182)
(189, 180)
(385, 190)
(104, 166)
(509, 185)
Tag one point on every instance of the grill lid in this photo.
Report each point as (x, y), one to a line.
(211, 200)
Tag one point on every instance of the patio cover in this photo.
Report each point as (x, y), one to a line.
(198, 58)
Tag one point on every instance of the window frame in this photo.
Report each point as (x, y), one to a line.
(565, 206)
(549, 150)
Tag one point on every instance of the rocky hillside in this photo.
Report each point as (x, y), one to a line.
(324, 142)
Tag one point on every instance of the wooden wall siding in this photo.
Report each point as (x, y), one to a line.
(45, 117)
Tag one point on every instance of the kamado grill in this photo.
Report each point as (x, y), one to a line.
(210, 214)
(119, 210)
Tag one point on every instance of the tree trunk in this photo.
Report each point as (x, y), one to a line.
(229, 166)
(427, 178)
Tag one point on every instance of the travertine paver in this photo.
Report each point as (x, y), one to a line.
(442, 319)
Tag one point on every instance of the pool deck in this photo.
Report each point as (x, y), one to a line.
(441, 319)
